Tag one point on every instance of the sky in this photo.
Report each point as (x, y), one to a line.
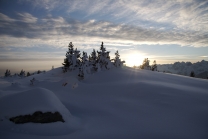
(36, 33)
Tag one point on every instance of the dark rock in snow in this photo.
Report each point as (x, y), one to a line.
(38, 117)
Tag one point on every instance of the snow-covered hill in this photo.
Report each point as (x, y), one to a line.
(185, 68)
(118, 103)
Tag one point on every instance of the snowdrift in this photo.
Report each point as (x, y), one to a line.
(30, 101)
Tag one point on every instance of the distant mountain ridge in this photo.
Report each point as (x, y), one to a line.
(185, 68)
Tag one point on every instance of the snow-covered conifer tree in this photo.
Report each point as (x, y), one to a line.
(145, 64)
(38, 72)
(22, 73)
(70, 51)
(28, 74)
(154, 66)
(7, 73)
(117, 60)
(72, 58)
(32, 81)
(93, 60)
(75, 59)
(84, 68)
(192, 74)
(98, 67)
(104, 58)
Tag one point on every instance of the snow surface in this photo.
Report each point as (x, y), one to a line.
(118, 103)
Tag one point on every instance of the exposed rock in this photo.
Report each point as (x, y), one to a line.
(38, 117)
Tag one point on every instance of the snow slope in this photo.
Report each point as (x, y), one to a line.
(118, 103)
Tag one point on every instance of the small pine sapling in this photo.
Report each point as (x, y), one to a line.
(38, 72)
(192, 74)
(75, 85)
(64, 84)
(28, 74)
(32, 81)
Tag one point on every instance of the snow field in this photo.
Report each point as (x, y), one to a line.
(117, 103)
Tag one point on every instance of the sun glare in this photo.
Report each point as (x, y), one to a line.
(134, 59)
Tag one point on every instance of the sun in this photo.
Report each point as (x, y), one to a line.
(134, 59)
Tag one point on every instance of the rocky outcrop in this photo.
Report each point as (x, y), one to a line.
(38, 117)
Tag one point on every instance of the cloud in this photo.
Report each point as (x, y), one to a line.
(5, 18)
(27, 18)
(58, 30)
(204, 56)
(19, 54)
(186, 15)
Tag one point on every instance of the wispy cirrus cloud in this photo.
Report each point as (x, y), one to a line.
(186, 15)
(26, 17)
(50, 29)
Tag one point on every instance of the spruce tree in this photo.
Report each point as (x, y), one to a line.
(93, 60)
(76, 58)
(117, 60)
(154, 66)
(72, 58)
(68, 53)
(28, 74)
(145, 64)
(7, 73)
(22, 73)
(104, 58)
(192, 74)
(84, 67)
(38, 72)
